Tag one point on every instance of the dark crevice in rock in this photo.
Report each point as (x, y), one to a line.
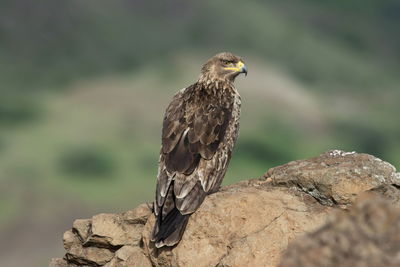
(78, 235)
(334, 201)
(80, 262)
(311, 191)
(397, 186)
(318, 196)
(141, 243)
(101, 245)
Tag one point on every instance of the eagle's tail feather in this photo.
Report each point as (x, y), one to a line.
(170, 222)
(168, 232)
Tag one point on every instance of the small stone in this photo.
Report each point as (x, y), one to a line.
(129, 256)
(58, 262)
(111, 230)
(124, 252)
(112, 263)
(82, 227)
(136, 259)
(89, 255)
(138, 215)
(69, 239)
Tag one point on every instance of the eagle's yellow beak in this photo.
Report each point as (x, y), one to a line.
(239, 67)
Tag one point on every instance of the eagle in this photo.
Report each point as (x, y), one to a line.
(199, 131)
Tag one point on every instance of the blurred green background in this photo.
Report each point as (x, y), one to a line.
(84, 84)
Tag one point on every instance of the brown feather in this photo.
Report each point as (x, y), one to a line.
(163, 183)
(183, 184)
(169, 203)
(191, 201)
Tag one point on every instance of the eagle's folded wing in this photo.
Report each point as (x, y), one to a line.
(190, 138)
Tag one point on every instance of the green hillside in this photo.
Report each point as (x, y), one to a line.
(84, 85)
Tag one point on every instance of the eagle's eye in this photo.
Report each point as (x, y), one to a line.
(225, 62)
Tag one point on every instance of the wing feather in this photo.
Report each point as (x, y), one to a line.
(190, 163)
(192, 200)
(183, 184)
(169, 204)
(215, 170)
(191, 130)
(163, 183)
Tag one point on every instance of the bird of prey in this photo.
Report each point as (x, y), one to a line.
(199, 132)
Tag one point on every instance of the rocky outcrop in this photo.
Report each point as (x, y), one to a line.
(249, 223)
(106, 240)
(367, 236)
(337, 177)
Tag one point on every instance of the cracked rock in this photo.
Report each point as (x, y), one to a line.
(112, 230)
(242, 226)
(82, 228)
(336, 177)
(88, 255)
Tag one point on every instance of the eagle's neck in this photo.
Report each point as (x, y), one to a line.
(215, 86)
(215, 92)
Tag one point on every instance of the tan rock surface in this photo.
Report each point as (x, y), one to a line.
(249, 223)
(88, 255)
(113, 230)
(82, 227)
(57, 262)
(335, 177)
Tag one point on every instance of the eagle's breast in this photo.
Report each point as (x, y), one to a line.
(232, 130)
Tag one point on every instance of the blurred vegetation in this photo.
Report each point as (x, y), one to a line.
(84, 84)
(84, 163)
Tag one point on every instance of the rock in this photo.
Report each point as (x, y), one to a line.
(335, 177)
(133, 256)
(391, 192)
(111, 230)
(125, 252)
(58, 262)
(69, 239)
(242, 225)
(95, 242)
(88, 255)
(250, 223)
(368, 236)
(82, 228)
(138, 215)
(129, 256)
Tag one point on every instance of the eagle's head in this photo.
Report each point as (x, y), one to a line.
(223, 67)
